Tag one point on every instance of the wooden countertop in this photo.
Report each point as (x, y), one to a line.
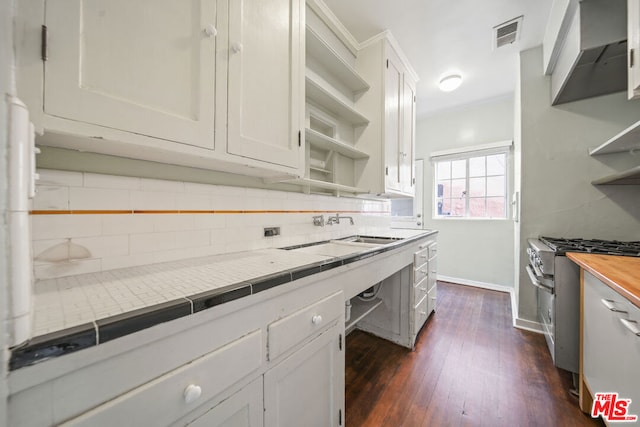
(620, 273)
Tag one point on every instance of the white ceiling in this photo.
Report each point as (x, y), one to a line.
(443, 36)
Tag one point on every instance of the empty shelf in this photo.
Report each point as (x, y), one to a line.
(628, 177)
(325, 54)
(627, 140)
(318, 92)
(325, 142)
(359, 309)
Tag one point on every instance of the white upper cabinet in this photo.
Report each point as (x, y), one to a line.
(393, 87)
(407, 144)
(265, 89)
(215, 84)
(134, 66)
(633, 45)
(390, 139)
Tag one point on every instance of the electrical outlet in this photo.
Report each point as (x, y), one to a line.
(271, 231)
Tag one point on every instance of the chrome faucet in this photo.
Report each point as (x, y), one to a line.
(336, 219)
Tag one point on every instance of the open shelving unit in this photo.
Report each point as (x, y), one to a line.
(359, 310)
(333, 86)
(626, 141)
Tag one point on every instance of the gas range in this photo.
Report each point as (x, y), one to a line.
(606, 247)
(557, 280)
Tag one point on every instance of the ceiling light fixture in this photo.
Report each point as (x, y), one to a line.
(451, 82)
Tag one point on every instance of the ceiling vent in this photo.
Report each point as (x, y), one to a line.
(507, 33)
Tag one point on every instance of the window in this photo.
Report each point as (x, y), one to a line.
(471, 185)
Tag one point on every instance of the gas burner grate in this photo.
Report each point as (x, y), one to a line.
(595, 246)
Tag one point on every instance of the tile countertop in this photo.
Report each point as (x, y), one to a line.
(620, 273)
(75, 312)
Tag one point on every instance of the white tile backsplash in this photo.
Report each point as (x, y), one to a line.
(60, 178)
(153, 200)
(87, 198)
(127, 224)
(94, 180)
(51, 198)
(126, 240)
(65, 226)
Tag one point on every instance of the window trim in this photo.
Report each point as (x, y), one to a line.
(465, 153)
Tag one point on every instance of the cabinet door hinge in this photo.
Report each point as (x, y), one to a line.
(339, 417)
(299, 138)
(386, 170)
(44, 35)
(387, 63)
(413, 181)
(631, 55)
(340, 342)
(414, 98)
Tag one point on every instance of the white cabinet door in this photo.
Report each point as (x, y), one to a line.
(393, 121)
(243, 409)
(307, 388)
(633, 45)
(610, 350)
(265, 67)
(407, 148)
(145, 66)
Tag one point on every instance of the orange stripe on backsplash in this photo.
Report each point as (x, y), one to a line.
(121, 212)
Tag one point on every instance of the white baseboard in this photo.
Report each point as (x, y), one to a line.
(476, 284)
(527, 325)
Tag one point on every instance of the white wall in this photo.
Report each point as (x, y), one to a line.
(6, 88)
(557, 196)
(471, 250)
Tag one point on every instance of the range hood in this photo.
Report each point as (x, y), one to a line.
(593, 57)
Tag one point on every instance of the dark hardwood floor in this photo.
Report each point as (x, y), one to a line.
(471, 367)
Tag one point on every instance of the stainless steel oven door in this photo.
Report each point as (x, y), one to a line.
(546, 305)
(547, 318)
(538, 280)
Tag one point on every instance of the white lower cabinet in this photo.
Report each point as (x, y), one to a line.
(307, 388)
(243, 409)
(610, 343)
(425, 287)
(175, 394)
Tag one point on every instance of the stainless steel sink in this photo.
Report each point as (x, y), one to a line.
(369, 239)
(336, 248)
(344, 246)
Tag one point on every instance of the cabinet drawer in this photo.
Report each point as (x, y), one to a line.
(173, 395)
(420, 290)
(420, 273)
(432, 296)
(421, 257)
(433, 249)
(421, 313)
(293, 329)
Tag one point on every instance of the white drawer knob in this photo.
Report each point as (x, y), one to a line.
(210, 31)
(236, 47)
(192, 393)
(423, 271)
(317, 319)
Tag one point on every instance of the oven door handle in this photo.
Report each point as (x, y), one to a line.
(536, 282)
